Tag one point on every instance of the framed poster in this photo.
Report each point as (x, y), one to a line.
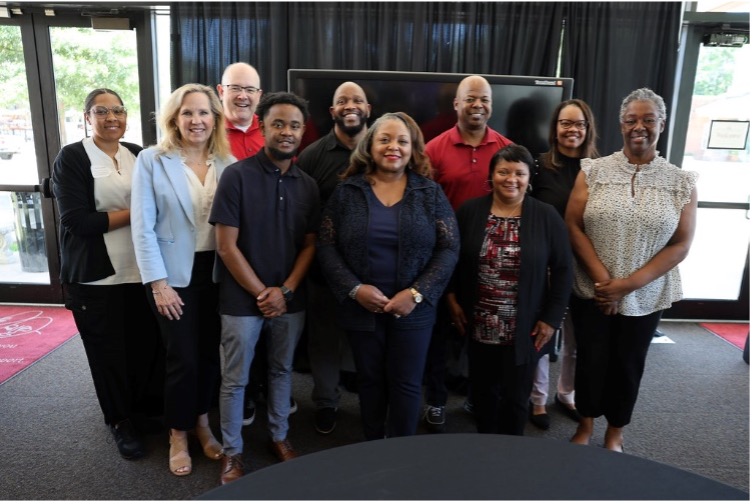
(728, 135)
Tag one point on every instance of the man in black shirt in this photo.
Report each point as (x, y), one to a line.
(325, 160)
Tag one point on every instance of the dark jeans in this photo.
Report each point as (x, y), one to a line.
(612, 350)
(192, 344)
(123, 348)
(390, 364)
(437, 360)
(499, 388)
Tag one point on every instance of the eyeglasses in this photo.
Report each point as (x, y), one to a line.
(117, 111)
(649, 122)
(580, 125)
(236, 89)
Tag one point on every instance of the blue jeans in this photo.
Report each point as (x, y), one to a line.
(237, 342)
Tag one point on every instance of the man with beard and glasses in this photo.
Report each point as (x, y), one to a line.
(265, 212)
(460, 161)
(325, 160)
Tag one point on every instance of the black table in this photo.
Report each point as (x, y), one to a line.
(472, 467)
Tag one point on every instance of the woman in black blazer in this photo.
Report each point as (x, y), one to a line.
(510, 289)
(92, 184)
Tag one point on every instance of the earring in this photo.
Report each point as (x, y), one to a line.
(487, 185)
(529, 188)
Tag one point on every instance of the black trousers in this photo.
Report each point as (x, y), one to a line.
(612, 350)
(122, 345)
(192, 346)
(499, 388)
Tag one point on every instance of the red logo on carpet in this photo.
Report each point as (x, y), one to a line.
(28, 333)
(21, 324)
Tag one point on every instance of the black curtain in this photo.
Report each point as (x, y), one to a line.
(612, 48)
(609, 48)
(208, 36)
(518, 38)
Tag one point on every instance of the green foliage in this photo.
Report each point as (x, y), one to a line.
(15, 93)
(83, 59)
(714, 73)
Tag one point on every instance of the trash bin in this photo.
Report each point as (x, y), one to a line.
(30, 234)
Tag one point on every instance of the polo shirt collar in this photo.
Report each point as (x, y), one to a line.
(254, 125)
(456, 138)
(332, 142)
(267, 164)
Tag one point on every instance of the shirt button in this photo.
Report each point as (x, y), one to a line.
(473, 160)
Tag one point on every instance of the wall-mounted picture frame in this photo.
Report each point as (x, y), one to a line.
(731, 135)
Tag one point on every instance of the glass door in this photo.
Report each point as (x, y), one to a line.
(50, 63)
(716, 272)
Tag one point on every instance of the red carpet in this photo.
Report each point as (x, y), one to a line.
(735, 334)
(28, 333)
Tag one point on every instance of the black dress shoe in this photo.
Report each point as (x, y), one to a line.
(127, 440)
(570, 413)
(541, 420)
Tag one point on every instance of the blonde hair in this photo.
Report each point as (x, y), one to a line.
(171, 136)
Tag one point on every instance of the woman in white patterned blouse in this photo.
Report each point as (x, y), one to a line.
(631, 219)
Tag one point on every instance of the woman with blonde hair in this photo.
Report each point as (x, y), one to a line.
(173, 189)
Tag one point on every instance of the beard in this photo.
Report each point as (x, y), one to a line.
(351, 131)
(279, 155)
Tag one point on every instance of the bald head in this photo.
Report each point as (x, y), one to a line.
(473, 103)
(350, 109)
(239, 102)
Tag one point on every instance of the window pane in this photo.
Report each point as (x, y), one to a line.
(23, 258)
(85, 59)
(715, 265)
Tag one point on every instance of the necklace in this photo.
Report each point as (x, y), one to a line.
(515, 209)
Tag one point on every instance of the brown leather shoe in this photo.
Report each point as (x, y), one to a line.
(283, 450)
(232, 468)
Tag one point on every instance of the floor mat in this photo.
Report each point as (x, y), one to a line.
(735, 334)
(28, 333)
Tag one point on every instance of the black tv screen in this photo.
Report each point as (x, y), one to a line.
(521, 105)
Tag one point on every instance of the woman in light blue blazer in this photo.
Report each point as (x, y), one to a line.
(173, 189)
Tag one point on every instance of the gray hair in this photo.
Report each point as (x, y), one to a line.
(644, 94)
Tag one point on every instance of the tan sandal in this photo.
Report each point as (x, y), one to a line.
(180, 461)
(212, 448)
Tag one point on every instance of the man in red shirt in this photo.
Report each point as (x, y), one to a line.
(461, 155)
(460, 161)
(240, 94)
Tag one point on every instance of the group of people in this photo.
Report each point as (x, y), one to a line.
(229, 243)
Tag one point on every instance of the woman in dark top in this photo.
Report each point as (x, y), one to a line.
(92, 185)
(388, 244)
(510, 289)
(573, 136)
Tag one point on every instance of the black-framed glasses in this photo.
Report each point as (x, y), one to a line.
(566, 123)
(235, 88)
(118, 111)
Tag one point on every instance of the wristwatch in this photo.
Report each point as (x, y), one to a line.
(287, 293)
(418, 298)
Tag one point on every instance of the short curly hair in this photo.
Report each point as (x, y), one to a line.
(644, 94)
(281, 97)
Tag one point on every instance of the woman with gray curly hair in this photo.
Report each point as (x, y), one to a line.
(631, 218)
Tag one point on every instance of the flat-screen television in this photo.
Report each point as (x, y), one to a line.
(521, 105)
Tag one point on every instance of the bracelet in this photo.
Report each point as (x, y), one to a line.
(155, 291)
(353, 292)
